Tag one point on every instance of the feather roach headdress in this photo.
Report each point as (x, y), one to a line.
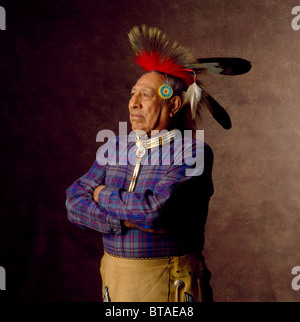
(154, 52)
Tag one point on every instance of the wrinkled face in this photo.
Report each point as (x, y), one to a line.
(145, 105)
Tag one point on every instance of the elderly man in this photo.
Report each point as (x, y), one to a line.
(154, 235)
(151, 204)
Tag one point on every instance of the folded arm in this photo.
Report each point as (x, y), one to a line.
(83, 211)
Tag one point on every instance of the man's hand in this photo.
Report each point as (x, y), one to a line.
(96, 192)
(150, 230)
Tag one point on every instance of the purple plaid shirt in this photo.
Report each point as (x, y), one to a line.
(164, 197)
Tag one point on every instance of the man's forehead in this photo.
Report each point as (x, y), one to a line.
(150, 80)
(145, 86)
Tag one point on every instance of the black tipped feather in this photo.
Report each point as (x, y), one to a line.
(224, 66)
(216, 110)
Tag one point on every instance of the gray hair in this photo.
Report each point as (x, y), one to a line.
(177, 84)
(183, 116)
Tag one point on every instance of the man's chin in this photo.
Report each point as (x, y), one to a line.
(137, 127)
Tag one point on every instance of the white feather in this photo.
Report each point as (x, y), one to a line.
(193, 97)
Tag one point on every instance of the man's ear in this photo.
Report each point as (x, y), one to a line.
(175, 105)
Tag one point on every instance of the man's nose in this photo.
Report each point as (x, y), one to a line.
(136, 101)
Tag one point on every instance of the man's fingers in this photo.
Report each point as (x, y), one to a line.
(150, 230)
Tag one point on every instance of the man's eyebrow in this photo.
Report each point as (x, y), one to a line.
(145, 88)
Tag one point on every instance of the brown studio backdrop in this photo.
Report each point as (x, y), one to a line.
(67, 71)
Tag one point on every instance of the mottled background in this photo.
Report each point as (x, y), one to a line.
(66, 71)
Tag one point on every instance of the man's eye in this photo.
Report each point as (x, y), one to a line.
(132, 94)
(146, 95)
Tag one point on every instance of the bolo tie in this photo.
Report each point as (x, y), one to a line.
(142, 146)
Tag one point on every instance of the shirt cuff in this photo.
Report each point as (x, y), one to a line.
(113, 225)
(104, 196)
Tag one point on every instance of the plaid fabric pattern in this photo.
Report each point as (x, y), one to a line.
(164, 196)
